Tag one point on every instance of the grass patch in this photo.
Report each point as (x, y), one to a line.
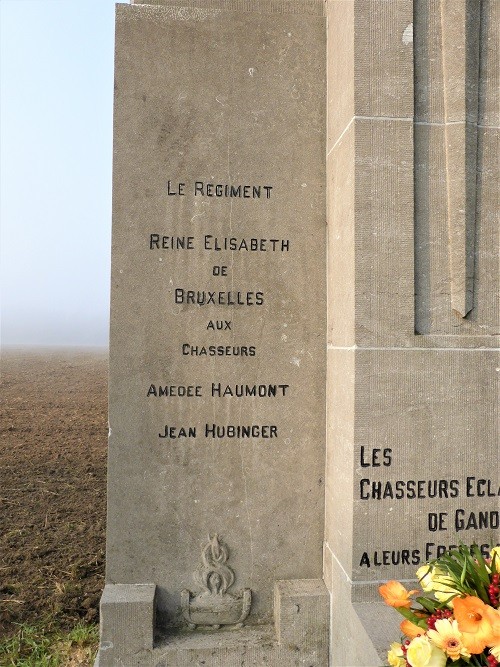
(37, 646)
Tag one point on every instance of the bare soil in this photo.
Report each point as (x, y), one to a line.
(53, 436)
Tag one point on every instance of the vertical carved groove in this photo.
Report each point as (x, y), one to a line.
(446, 86)
(460, 32)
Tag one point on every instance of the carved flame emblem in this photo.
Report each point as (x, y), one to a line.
(214, 605)
(213, 575)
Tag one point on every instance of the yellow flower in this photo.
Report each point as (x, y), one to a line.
(449, 639)
(424, 574)
(437, 580)
(443, 586)
(495, 651)
(395, 656)
(395, 594)
(441, 576)
(495, 559)
(445, 594)
(423, 653)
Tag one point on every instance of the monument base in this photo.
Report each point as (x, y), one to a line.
(299, 635)
(363, 626)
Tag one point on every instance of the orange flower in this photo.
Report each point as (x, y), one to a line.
(395, 594)
(495, 624)
(478, 622)
(410, 629)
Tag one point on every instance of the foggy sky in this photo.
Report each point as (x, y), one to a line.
(56, 77)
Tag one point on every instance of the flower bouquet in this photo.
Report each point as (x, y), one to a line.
(458, 623)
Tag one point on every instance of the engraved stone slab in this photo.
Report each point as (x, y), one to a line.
(217, 360)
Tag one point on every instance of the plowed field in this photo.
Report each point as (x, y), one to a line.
(53, 433)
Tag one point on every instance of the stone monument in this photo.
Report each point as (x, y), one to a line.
(413, 274)
(305, 223)
(218, 337)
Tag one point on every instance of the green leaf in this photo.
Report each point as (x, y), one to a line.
(409, 614)
(428, 604)
(481, 563)
(464, 572)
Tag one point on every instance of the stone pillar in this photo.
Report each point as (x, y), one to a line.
(217, 359)
(412, 392)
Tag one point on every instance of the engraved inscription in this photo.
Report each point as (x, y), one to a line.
(187, 298)
(455, 520)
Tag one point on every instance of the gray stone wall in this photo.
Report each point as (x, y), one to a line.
(413, 359)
